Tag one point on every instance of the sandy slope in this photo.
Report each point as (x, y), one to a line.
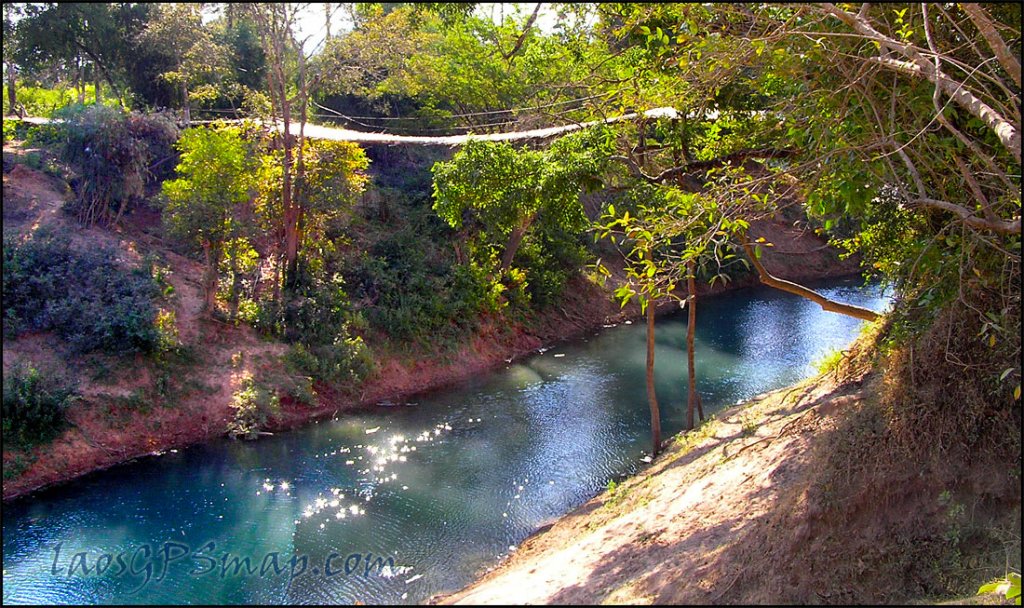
(666, 535)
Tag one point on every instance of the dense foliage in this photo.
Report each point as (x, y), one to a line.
(86, 297)
(112, 150)
(33, 406)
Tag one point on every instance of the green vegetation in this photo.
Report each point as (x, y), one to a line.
(34, 406)
(45, 102)
(254, 405)
(216, 177)
(893, 131)
(1008, 586)
(86, 297)
(112, 150)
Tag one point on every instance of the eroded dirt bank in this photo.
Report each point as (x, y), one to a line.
(114, 423)
(674, 533)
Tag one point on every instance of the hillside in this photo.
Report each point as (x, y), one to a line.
(130, 409)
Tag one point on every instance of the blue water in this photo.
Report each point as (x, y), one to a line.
(443, 486)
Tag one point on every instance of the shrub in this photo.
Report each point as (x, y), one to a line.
(33, 409)
(11, 128)
(85, 297)
(112, 150)
(346, 361)
(415, 295)
(254, 405)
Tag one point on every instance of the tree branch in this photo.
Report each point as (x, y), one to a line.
(526, 30)
(968, 217)
(988, 31)
(830, 305)
(918, 66)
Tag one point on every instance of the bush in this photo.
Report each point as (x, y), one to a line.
(254, 405)
(112, 150)
(414, 294)
(33, 410)
(345, 362)
(85, 297)
(13, 129)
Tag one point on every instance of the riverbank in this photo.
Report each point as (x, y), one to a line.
(676, 532)
(114, 424)
(750, 509)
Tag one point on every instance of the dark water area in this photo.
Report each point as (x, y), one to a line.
(397, 504)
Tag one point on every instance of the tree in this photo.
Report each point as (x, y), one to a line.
(10, 66)
(58, 34)
(506, 190)
(663, 233)
(199, 64)
(286, 62)
(215, 178)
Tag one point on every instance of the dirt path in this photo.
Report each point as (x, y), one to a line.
(665, 535)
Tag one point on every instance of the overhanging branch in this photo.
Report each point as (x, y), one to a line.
(826, 304)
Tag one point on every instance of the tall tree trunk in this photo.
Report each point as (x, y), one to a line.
(652, 397)
(12, 93)
(185, 103)
(80, 79)
(691, 325)
(99, 88)
(291, 215)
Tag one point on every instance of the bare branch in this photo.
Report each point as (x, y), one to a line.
(918, 66)
(987, 29)
(968, 217)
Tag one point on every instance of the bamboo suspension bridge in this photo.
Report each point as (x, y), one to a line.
(316, 131)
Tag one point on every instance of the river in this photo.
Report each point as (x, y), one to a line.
(396, 504)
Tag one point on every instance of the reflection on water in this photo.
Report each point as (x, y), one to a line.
(395, 505)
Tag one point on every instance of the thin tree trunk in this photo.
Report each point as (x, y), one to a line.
(236, 287)
(80, 80)
(99, 89)
(652, 397)
(12, 92)
(188, 111)
(514, 240)
(212, 258)
(291, 216)
(691, 324)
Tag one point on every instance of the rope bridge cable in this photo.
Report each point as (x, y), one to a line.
(510, 121)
